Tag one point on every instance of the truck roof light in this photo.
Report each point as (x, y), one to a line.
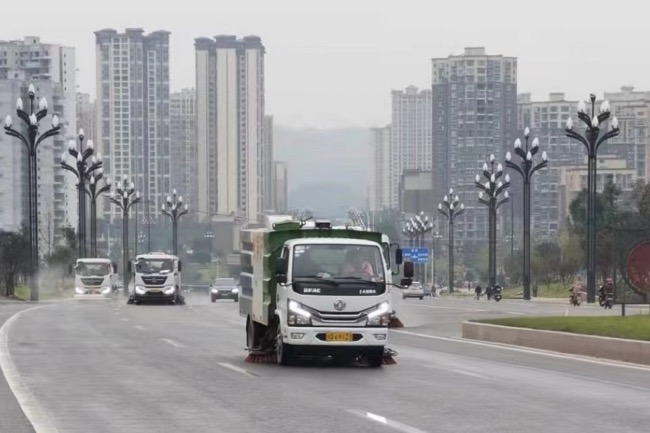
(323, 224)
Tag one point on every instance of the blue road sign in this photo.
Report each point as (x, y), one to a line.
(416, 255)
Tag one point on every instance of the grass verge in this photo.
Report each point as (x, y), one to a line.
(629, 327)
(554, 290)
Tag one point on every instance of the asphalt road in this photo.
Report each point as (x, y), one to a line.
(104, 366)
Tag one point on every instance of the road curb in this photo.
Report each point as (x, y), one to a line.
(616, 349)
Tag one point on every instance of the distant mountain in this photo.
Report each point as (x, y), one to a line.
(327, 168)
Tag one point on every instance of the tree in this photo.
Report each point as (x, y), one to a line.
(571, 255)
(64, 253)
(546, 262)
(14, 259)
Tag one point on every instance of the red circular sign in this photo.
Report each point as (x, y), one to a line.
(638, 268)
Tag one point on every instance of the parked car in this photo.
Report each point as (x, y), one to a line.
(224, 288)
(415, 290)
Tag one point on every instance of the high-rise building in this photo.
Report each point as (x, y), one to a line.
(379, 185)
(182, 107)
(474, 115)
(51, 68)
(266, 177)
(133, 118)
(230, 118)
(410, 135)
(280, 184)
(86, 115)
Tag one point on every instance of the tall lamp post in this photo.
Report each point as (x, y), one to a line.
(451, 208)
(124, 196)
(489, 196)
(526, 168)
(436, 236)
(31, 120)
(94, 191)
(175, 212)
(592, 139)
(85, 163)
(416, 228)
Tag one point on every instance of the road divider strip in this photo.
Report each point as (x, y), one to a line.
(172, 342)
(29, 405)
(618, 349)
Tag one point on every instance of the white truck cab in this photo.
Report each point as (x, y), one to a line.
(157, 277)
(95, 277)
(333, 299)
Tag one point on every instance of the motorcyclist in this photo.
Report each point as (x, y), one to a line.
(577, 289)
(605, 289)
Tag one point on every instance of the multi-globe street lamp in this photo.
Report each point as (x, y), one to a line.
(416, 229)
(526, 168)
(86, 162)
(357, 218)
(31, 141)
(451, 207)
(174, 210)
(124, 196)
(489, 196)
(94, 191)
(592, 139)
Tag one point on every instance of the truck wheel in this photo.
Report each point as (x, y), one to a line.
(375, 357)
(283, 351)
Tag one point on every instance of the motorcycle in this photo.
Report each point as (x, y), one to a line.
(575, 300)
(496, 294)
(606, 300)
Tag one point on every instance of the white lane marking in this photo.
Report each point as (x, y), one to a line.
(469, 373)
(237, 369)
(444, 308)
(532, 351)
(31, 408)
(172, 342)
(140, 328)
(124, 320)
(515, 313)
(385, 421)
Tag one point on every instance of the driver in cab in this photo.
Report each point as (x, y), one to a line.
(357, 265)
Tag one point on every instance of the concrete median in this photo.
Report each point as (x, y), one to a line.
(578, 344)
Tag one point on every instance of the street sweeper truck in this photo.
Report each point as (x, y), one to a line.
(316, 291)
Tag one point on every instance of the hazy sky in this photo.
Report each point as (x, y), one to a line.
(332, 63)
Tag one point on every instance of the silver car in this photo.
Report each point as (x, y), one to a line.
(224, 288)
(415, 290)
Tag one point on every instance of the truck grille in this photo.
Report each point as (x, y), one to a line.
(154, 280)
(92, 281)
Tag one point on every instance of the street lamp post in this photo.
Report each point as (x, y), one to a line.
(175, 212)
(451, 208)
(85, 163)
(124, 196)
(416, 228)
(94, 192)
(592, 139)
(526, 168)
(31, 142)
(489, 196)
(433, 262)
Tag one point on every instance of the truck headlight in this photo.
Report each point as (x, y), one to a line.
(106, 290)
(235, 290)
(298, 315)
(169, 290)
(79, 290)
(214, 290)
(379, 316)
(140, 290)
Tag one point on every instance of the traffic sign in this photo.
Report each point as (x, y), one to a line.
(416, 255)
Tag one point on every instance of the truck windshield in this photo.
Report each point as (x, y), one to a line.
(338, 261)
(88, 269)
(154, 266)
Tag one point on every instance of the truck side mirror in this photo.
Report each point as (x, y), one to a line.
(180, 266)
(399, 258)
(406, 282)
(408, 269)
(282, 265)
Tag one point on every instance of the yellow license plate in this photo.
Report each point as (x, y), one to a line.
(338, 336)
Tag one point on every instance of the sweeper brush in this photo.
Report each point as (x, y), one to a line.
(261, 358)
(388, 357)
(394, 322)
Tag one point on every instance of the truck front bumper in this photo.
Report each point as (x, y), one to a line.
(314, 337)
